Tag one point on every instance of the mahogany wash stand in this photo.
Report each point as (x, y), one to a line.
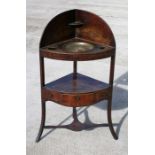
(76, 35)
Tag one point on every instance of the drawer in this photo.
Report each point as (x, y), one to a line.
(75, 100)
(78, 100)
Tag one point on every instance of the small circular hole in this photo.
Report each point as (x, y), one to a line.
(101, 47)
(52, 48)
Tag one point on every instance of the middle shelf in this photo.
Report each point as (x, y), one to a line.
(81, 91)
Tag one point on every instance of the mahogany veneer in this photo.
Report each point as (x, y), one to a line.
(76, 35)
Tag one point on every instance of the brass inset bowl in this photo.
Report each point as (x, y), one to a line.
(78, 46)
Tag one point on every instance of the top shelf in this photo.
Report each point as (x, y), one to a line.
(77, 49)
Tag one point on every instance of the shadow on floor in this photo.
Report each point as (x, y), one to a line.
(120, 101)
(123, 79)
(120, 95)
(118, 125)
(88, 121)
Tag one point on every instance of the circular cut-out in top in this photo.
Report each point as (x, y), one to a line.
(52, 47)
(78, 46)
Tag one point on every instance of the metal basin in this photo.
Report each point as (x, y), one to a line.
(78, 46)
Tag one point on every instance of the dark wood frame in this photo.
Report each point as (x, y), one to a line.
(73, 99)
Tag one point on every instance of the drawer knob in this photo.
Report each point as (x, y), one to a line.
(77, 98)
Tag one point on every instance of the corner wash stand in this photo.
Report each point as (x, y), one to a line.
(76, 35)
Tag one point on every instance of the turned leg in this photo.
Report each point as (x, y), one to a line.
(109, 119)
(42, 121)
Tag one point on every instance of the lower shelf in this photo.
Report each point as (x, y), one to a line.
(82, 91)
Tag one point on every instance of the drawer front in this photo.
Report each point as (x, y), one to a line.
(78, 100)
(75, 100)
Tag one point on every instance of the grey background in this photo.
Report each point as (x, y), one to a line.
(61, 141)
